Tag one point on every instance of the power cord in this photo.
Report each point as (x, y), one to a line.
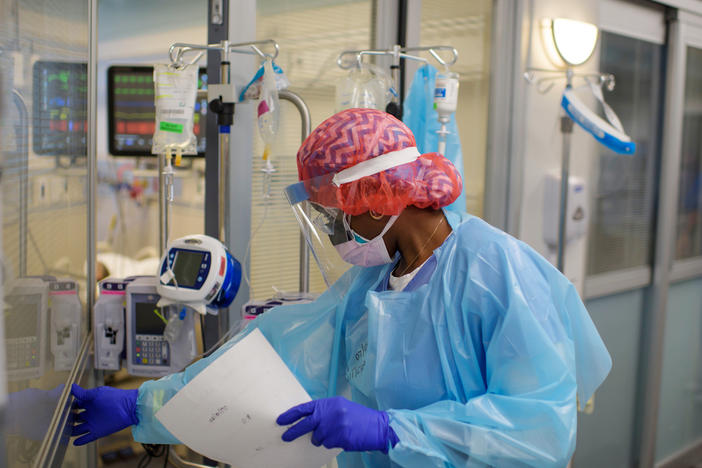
(153, 451)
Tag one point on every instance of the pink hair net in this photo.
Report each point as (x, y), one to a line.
(356, 135)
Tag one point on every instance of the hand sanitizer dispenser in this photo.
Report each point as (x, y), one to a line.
(576, 213)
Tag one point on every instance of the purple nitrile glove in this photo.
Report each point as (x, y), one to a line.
(340, 423)
(107, 410)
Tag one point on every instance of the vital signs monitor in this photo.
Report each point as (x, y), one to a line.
(198, 271)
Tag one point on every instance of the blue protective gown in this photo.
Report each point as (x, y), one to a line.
(478, 363)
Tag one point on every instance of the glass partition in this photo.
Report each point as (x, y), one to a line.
(44, 216)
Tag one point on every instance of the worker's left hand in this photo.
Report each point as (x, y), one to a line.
(105, 410)
(339, 423)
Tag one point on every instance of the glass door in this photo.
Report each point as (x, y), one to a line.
(44, 214)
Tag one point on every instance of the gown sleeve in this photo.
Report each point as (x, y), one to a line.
(539, 348)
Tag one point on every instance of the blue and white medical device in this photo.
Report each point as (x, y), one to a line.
(611, 137)
(199, 272)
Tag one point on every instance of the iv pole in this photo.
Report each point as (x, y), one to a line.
(223, 106)
(226, 109)
(567, 131)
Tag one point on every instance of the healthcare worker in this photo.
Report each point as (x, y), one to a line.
(449, 344)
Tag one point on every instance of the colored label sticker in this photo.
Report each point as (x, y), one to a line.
(171, 127)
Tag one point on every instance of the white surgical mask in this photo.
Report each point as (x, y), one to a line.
(363, 252)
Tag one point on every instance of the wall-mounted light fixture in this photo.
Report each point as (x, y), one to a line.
(574, 40)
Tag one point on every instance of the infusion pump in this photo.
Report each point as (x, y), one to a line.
(108, 320)
(43, 317)
(26, 310)
(149, 353)
(149, 320)
(130, 325)
(65, 330)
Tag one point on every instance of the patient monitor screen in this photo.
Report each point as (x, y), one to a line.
(147, 321)
(131, 111)
(60, 107)
(187, 266)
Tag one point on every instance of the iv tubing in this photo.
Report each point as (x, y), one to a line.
(443, 132)
(162, 204)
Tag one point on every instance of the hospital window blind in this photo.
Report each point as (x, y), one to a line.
(623, 191)
(689, 229)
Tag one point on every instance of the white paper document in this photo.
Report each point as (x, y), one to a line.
(228, 411)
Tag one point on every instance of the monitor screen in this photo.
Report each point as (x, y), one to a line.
(22, 315)
(186, 266)
(60, 108)
(147, 321)
(131, 111)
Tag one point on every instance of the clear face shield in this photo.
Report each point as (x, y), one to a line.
(323, 229)
(325, 226)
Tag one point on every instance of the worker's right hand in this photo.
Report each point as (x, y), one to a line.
(106, 410)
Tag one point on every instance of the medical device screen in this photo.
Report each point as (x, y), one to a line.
(187, 266)
(147, 319)
(131, 111)
(22, 316)
(60, 108)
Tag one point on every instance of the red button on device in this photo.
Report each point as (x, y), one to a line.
(222, 264)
